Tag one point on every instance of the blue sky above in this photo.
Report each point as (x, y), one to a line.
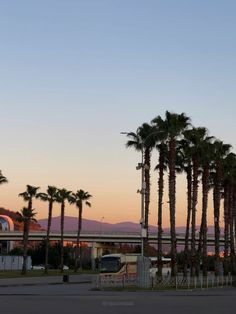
(76, 73)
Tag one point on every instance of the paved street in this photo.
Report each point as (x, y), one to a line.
(78, 297)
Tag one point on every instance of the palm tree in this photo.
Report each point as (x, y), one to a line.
(62, 196)
(195, 136)
(144, 140)
(81, 197)
(161, 167)
(2, 178)
(25, 216)
(50, 196)
(232, 224)
(229, 173)
(29, 195)
(184, 151)
(206, 158)
(172, 128)
(221, 150)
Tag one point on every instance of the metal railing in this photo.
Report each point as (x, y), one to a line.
(166, 282)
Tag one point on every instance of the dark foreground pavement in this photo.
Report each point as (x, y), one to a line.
(78, 298)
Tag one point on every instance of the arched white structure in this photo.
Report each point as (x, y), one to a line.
(6, 224)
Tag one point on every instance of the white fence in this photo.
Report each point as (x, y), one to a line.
(178, 282)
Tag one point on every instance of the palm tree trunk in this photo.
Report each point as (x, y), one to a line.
(189, 202)
(25, 239)
(25, 246)
(231, 228)
(62, 235)
(216, 201)
(234, 211)
(30, 204)
(194, 209)
(147, 197)
(160, 203)
(226, 229)
(48, 235)
(77, 247)
(205, 193)
(200, 239)
(172, 204)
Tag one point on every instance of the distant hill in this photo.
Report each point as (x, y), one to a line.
(71, 224)
(98, 226)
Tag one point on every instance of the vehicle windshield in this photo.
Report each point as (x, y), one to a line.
(110, 264)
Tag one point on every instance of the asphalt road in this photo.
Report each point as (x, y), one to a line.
(78, 298)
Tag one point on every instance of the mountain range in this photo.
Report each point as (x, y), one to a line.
(71, 224)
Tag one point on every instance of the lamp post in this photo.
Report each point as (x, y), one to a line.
(101, 220)
(142, 191)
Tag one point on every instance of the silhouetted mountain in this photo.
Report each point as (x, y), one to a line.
(98, 226)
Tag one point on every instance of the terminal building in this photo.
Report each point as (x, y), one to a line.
(6, 224)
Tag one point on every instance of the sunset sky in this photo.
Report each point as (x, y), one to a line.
(75, 73)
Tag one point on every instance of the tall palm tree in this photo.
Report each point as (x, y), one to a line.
(232, 225)
(162, 148)
(144, 140)
(81, 197)
(172, 128)
(195, 136)
(184, 151)
(229, 173)
(26, 216)
(2, 178)
(206, 158)
(62, 196)
(161, 167)
(221, 150)
(51, 197)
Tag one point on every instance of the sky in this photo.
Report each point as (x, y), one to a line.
(76, 73)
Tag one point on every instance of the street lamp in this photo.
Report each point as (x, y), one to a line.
(141, 166)
(101, 225)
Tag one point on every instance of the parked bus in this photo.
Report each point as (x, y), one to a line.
(119, 264)
(126, 264)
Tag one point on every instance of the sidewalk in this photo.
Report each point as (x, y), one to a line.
(47, 280)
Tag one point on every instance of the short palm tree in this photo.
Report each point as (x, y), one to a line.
(81, 197)
(62, 196)
(51, 197)
(26, 216)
